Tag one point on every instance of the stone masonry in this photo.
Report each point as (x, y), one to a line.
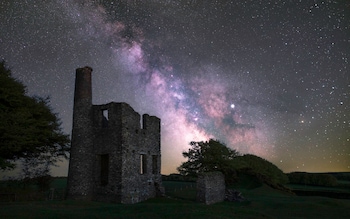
(211, 187)
(113, 157)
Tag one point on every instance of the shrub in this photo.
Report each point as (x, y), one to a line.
(315, 179)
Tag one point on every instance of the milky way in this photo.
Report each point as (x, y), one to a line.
(269, 78)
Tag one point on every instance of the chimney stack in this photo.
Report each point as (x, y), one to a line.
(80, 174)
(83, 84)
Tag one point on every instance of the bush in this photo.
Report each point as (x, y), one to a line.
(315, 179)
(260, 166)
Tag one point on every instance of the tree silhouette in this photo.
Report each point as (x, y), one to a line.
(28, 127)
(208, 156)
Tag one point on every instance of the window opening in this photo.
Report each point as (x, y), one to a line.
(104, 163)
(105, 118)
(143, 163)
(105, 113)
(141, 122)
(154, 164)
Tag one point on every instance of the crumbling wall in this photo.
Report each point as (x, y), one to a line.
(108, 153)
(211, 187)
(141, 151)
(133, 154)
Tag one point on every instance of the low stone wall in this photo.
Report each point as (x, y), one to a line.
(211, 187)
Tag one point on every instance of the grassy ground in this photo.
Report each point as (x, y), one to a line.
(262, 202)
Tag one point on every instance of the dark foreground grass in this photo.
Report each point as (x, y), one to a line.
(262, 202)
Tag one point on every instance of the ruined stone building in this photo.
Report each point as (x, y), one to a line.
(113, 158)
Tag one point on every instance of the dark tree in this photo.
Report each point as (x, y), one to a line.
(28, 127)
(208, 156)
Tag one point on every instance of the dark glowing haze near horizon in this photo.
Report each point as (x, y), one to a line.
(270, 78)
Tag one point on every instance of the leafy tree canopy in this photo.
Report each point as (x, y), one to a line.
(208, 156)
(28, 128)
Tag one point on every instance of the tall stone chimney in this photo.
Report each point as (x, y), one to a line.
(80, 173)
(83, 85)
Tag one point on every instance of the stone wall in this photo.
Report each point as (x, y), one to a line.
(133, 154)
(211, 187)
(108, 152)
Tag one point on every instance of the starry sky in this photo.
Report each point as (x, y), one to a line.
(270, 78)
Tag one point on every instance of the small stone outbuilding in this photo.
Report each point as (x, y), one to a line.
(210, 187)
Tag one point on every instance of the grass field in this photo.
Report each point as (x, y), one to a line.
(262, 202)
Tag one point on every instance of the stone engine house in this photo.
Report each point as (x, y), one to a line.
(113, 158)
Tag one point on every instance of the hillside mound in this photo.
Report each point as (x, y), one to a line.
(249, 180)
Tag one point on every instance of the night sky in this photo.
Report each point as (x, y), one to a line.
(271, 78)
